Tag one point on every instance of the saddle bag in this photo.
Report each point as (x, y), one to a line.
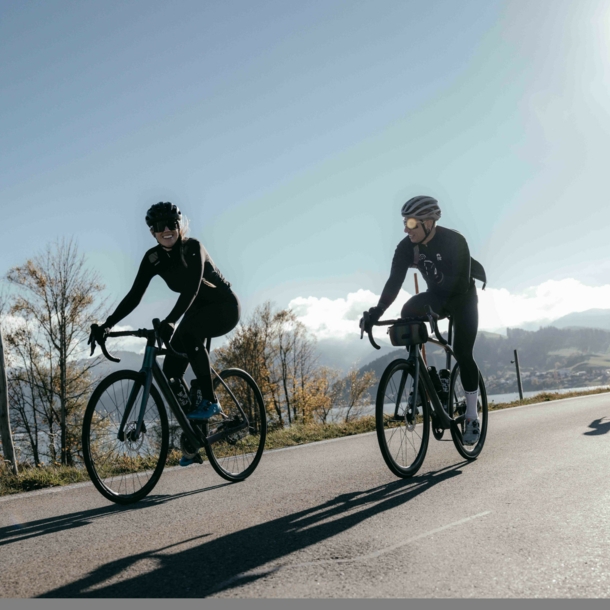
(408, 333)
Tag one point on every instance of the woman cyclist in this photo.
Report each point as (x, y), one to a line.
(443, 258)
(209, 306)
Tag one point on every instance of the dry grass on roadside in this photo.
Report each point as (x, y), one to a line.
(301, 434)
(31, 478)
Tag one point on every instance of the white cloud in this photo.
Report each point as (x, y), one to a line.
(545, 302)
(498, 308)
(338, 318)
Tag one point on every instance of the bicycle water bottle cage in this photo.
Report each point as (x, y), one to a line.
(408, 333)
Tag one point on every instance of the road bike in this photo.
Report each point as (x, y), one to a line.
(126, 429)
(411, 398)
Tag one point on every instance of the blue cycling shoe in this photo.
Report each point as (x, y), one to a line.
(205, 410)
(187, 461)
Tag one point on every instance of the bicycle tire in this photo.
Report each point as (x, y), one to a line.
(119, 470)
(235, 458)
(403, 437)
(457, 408)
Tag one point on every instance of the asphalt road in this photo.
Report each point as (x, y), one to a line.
(530, 518)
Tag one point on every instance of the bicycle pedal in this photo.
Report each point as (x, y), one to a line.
(197, 459)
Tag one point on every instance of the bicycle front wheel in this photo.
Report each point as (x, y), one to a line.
(236, 455)
(124, 471)
(402, 420)
(457, 411)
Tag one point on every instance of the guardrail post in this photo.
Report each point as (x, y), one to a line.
(519, 384)
(5, 422)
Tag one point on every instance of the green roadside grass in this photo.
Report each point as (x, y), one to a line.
(31, 478)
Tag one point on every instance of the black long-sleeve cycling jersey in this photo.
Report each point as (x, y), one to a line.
(444, 262)
(188, 269)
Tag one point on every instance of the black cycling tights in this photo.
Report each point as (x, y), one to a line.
(199, 323)
(465, 315)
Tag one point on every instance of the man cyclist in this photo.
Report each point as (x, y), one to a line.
(442, 257)
(207, 305)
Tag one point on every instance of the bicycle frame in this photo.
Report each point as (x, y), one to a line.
(415, 356)
(421, 372)
(151, 369)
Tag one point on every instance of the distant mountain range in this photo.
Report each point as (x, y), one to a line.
(591, 318)
(351, 352)
(549, 357)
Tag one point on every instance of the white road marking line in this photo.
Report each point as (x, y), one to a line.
(393, 547)
(265, 571)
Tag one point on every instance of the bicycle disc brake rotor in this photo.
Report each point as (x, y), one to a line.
(410, 414)
(133, 441)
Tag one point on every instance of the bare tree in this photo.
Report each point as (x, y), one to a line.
(355, 395)
(55, 294)
(24, 391)
(319, 395)
(252, 347)
(276, 348)
(278, 352)
(297, 360)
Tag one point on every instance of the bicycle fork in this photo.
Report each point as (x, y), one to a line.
(146, 379)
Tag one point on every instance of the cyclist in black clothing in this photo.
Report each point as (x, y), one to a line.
(209, 306)
(443, 258)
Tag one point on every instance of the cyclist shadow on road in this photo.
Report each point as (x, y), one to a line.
(249, 554)
(52, 525)
(598, 426)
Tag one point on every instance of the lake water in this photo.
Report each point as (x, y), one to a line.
(338, 414)
(515, 395)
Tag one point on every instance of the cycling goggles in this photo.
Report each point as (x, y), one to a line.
(159, 225)
(410, 223)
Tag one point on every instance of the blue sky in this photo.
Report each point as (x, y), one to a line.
(290, 133)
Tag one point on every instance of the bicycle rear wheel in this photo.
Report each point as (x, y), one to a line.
(124, 471)
(237, 454)
(402, 423)
(457, 410)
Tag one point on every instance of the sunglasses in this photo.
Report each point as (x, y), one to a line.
(160, 225)
(410, 223)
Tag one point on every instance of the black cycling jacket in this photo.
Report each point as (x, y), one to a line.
(444, 263)
(188, 269)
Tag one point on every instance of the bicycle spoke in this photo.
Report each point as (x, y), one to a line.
(124, 471)
(236, 455)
